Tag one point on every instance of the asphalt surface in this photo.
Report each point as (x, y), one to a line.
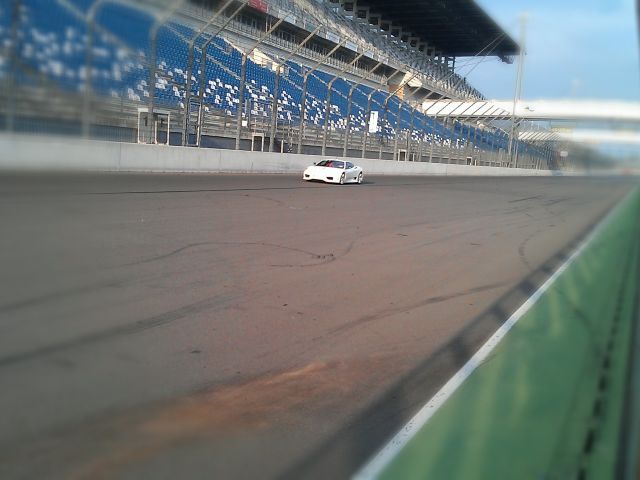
(220, 326)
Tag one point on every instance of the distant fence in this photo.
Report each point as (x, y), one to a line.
(155, 72)
(25, 152)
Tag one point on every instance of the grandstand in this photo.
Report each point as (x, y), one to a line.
(308, 76)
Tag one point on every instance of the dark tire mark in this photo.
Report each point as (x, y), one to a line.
(327, 258)
(119, 331)
(33, 301)
(523, 246)
(232, 244)
(556, 201)
(524, 199)
(245, 189)
(259, 197)
(406, 308)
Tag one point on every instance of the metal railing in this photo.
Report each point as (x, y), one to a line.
(41, 105)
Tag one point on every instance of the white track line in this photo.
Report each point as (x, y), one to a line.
(376, 465)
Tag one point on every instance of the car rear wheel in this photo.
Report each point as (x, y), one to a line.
(342, 179)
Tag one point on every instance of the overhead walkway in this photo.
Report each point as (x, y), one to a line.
(537, 110)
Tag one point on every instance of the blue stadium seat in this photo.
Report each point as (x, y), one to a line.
(52, 42)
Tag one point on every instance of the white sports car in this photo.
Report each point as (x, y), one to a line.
(334, 171)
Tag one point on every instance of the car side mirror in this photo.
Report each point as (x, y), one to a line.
(315, 163)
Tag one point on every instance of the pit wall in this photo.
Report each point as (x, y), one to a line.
(27, 152)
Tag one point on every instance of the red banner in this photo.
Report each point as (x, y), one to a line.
(258, 5)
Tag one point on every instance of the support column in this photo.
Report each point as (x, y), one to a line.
(243, 76)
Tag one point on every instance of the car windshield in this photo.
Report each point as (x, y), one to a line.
(331, 163)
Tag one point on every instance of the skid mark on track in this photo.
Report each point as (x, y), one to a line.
(325, 258)
(406, 308)
(199, 190)
(521, 250)
(525, 198)
(556, 201)
(119, 331)
(229, 244)
(306, 185)
(260, 197)
(166, 255)
(52, 296)
(455, 235)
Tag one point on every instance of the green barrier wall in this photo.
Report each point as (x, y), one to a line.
(548, 402)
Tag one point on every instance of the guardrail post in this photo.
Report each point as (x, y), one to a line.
(303, 104)
(243, 76)
(433, 138)
(421, 145)
(396, 156)
(367, 119)
(385, 122)
(410, 134)
(274, 110)
(327, 114)
(347, 127)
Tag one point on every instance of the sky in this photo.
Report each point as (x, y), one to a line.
(579, 49)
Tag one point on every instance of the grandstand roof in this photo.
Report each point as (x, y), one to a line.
(458, 28)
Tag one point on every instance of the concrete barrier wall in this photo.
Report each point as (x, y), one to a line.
(26, 152)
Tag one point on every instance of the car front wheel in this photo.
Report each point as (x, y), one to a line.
(342, 179)
(360, 177)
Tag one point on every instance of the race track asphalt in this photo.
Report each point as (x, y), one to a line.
(256, 326)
